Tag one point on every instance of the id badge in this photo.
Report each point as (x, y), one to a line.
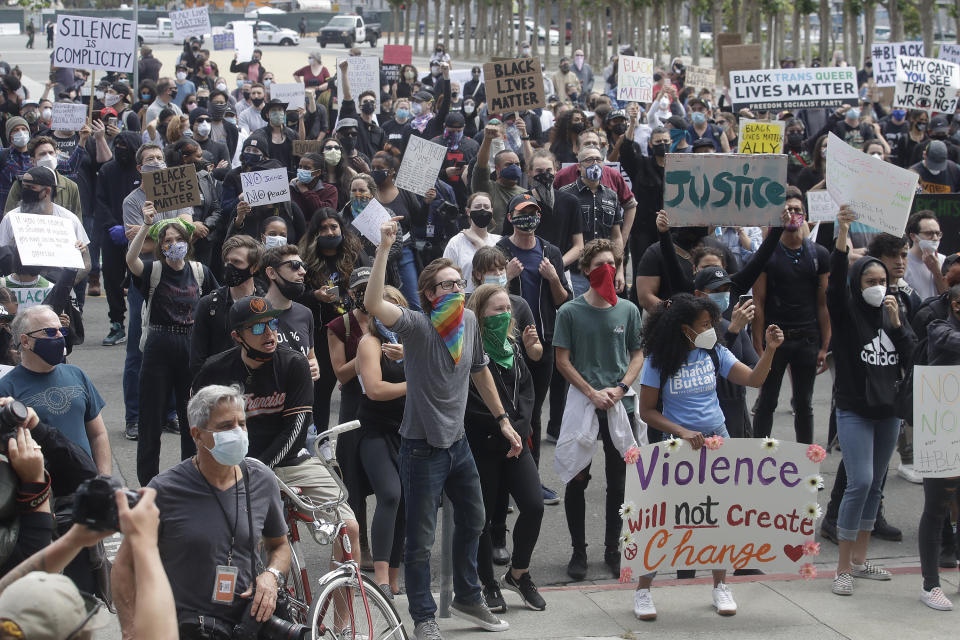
(224, 585)
(430, 230)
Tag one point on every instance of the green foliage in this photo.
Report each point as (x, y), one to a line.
(912, 28)
(35, 5)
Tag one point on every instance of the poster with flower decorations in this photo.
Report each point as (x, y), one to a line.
(735, 503)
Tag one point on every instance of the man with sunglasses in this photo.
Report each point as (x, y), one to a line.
(285, 271)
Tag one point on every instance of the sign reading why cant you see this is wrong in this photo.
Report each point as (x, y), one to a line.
(775, 89)
(737, 503)
(724, 189)
(265, 187)
(927, 84)
(513, 85)
(86, 42)
(936, 421)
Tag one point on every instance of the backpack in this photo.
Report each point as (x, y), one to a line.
(155, 271)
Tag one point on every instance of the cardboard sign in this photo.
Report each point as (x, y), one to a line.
(880, 193)
(30, 296)
(68, 116)
(85, 42)
(946, 206)
(303, 147)
(265, 187)
(514, 85)
(290, 92)
(757, 136)
(173, 188)
(775, 89)
(936, 421)
(723, 40)
(190, 22)
(635, 79)
(737, 505)
(927, 84)
(45, 241)
(421, 165)
(821, 207)
(885, 56)
(243, 42)
(397, 54)
(724, 189)
(950, 52)
(222, 41)
(700, 77)
(740, 56)
(364, 74)
(370, 219)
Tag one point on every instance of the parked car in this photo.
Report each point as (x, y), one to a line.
(162, 31)
(347, 30)
(541, 33)
(269, 33)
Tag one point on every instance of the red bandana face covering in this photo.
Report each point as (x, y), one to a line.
(601, 281)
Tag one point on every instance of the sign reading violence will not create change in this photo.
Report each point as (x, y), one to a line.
(84, 42)
(513, 85)
(774, 89)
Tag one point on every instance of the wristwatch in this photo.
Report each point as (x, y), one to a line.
(281, 579)
(502, 416)
(625, 388)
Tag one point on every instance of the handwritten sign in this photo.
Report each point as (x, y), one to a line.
(30, 296)
(946, 206)
(265, 187)
(757, 136)
(421, 165)
(635, 79)
(950, 52)
(735, 506)
(243, 42)
(46, 241)
(190, 22)
(222, 41)
(885, 56)
(724, 40)
(821, 206)
(700, 77)
(774, 89)
(936, 421)
(927, 84)
(84, 42)
(364, 75)
(173, 188)
(290, 92)
(68, 116)
(303, 147)
(740, 56)
(724, 189)
(514, 85)
(370, 219)
(397, 54)
(879, 193)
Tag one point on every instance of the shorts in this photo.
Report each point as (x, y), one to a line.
(314, 480)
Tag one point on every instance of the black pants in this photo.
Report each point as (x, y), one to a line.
(575, 503)
(938, 496)
(520, 477)
(348, 457)
(558, 400)
(386, 532)
(542, 374)
(166, 366)
(114, 271)
(324, 386)
(801, 355)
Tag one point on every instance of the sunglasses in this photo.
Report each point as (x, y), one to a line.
(296, 265)
(51, 332)
(258, 328)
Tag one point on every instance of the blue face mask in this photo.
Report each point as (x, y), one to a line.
(898, 114)
(698, 118)
(721, 299)
(676, 135)
(229, 447)
(144, 96)
(176, 251)
(499, 280)
(594, 172)
(853, 114)
(402, 115)
(304, 175)
(50, 350)
(511, 172)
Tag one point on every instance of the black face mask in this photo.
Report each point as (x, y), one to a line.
(481, 218)
(368, 108)
(659, 150)
(379, 176)
(289, 290)
(348, 142)
(234, 276)
(257, 102)
(545, 178)
(123, 154)
(619, 129)
(256, 354)
(578, 127)
(329, 242)
(217, 112)
(795, 140)
(29, 195)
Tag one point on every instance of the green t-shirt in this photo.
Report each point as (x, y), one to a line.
(31, 294)
(600, 341)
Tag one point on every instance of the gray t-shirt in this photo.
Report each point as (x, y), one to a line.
(436, 387)
(195, 534)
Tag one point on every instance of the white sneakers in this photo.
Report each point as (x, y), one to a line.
(936, 599)
(908, 473)
(723, 600)
(869, 571)
(644, 608)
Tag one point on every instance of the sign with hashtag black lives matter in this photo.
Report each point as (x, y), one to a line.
(86, 42)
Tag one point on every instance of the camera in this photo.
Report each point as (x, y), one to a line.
(273, 628)
(95, 507)
(12, 415)
(448, 210)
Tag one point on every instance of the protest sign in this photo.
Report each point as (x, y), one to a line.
(700, 77)
(86, 42)
(879, 193)
(369, 221)
(265, 187)
(222, 41)
(68, 116)
(421, 165)
(936, 421)
(946, 206)
(303, 147)
(190, 22)
(635, 79)
(950, 52)
(740, 56)
(927, 84)
(513, 85)
(30, 296)
(364, 74)
(243, 42)
(758, 136)
(723, 40)
(397, 54)
(821, 207)
(736, 503)
(45, 241)
(290, 92)
(724, 189)
(775, 89)
(172, 188)
(884, 57)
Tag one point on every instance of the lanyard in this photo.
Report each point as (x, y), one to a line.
(236, 515)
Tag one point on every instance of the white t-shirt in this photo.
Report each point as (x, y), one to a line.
(461, 251)
(6, 229)
(919, 277)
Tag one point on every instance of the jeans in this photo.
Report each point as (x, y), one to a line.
(580, 284)
(801, 355)
(867, 445)
(426, 473)
(938, 496)
(408, 278)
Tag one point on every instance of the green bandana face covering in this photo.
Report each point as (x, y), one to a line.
(495, 341)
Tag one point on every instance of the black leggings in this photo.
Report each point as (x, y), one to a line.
(323, 387)
(542, 373)
(520, 476)
(938, 496)
(388, 519)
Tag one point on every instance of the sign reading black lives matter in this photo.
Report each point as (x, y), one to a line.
(774, 89)
(514, 85)
(926, 84)
(172, 188)
(85, 42)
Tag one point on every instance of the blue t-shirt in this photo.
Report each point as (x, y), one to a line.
(530, 278)
(690, 395)
(64, 398)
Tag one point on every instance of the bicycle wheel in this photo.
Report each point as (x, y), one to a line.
(340, 606)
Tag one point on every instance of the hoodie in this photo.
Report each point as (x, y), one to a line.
(115, 181)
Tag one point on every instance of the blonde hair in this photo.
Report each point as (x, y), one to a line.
(390, 294)
(481, 297)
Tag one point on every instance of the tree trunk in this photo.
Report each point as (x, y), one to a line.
(416, 28)
(535, 16)
(756, 24)
(896, 21)
(956, 19)
(795, 31)
(770, 45)
(847, 33)
(522, 24)
(673, 21)
(927, 16)
(825, 31)
(869, 26)
(457, 5)
(741, 9)
(640, 24)
(445, 25)
(716, 21)
(807, 48)
(695, 32)
(466, 28)
(547, 11)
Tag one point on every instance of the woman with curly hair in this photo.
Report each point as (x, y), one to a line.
(563, 135)
(683, 359)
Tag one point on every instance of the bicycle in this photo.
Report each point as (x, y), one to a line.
(348, 605)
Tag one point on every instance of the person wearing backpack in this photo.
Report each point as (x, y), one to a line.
(171, 285)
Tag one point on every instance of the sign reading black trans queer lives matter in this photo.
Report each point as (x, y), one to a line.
(84, 42)
(774, 89)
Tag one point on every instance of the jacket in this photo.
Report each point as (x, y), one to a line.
(548, 309)
(115, 181)
(943, 342)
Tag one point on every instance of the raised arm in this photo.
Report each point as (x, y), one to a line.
(387, 312)
(134, 263)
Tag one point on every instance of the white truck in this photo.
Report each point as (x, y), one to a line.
(269, 33)
(162, 31)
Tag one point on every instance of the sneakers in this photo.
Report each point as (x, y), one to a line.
(843, 584)
(131, 431)
(427, 630)
(116, 336)
(577, 567)
(172, 426)
(550, 496)
(828, 530)
(93, 285)
(723, 600)
(936, 599)
(524, 587)
(478, 614)
(908, 473)
(868, 571)
(643, 606)
(884, 530)
(386, 591)
(611, 557)
(494, 599)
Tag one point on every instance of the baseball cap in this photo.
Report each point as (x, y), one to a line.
(938, 124)
(700, 143)
(936, 155)
(710, 278)
(696, 101)
(614, 114)
(42, 176)
(48, 606)
(454, 119)
(346, 122)
(522, 201)
(948, 262)
(250, 310)
(108, 111)
(423, 96)
(360, 276)
(677, 122)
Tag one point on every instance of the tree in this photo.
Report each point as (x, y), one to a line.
(826, 28)
(674, 9)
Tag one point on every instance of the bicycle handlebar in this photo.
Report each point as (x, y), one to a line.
(335, 431)
(309, 505)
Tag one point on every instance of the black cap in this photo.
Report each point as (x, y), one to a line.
(709, 278)
(701, 143)
(423, 96)
(695, 100)
(948, 262)
(938, 124)
(522, 201)
(360, 276)
(454, 119)
(250, 310)
(616, 113)
(196, 114)
(42, 176)
(677, 122)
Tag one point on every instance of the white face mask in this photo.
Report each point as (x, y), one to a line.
(181, 76)
(49, 161)
(706, 339)
(111, 99)
(203, 129)
(230, 447)
(874, 295)
(221, 86)
(21, 138)
(46, 114)
(274, 241)
(929, 245)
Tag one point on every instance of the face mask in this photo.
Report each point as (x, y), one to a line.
(565, 68)
(368, 108)
(123, 154)
(525, 221)
(304, 175)
(660, 149)
(111, 99)
(698, 118)
(795, 140)
(181, 76)
(874, 295)
(387, 333)
(358, 204)
(217, 111)
(593, 172)
(578, 127)
(143, 96)
(98, 94)
(329, 242)
(188, 133)
(257, 102)
(796, 221)
(277, 118)
(601, 281)
(511, 172)
(929, 245)
(721, 299)
(267, 83)
(454, 95)
(706, 340)
(289, 290)
(232, 121)
(934, 171)
(203, 129)
(468, 109)
(402, 115)
(30, 196)
(898, 114)
(416, 108)
(221, 86)
(348, 141)
(48, 161)
(619, 129)
(155, 166)
(409, 75)
(234, 276)
(447, 319)
(21, 138)
(546, 178)
(177, 251)
(499, 280)
(379, 176)
(921, 126)
(46, 114)
(495, 341)
(53, 351)
(274, 241)
(853, 114)
(246, 95)
(453, 137)
(229, 447)
(250, 159)
(878, 156)
(332, 156)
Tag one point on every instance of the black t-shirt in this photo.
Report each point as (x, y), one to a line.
(793, 283)
(282, 152)
(296, 329)
(947, 181)
(651, 264)
(177, 294)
